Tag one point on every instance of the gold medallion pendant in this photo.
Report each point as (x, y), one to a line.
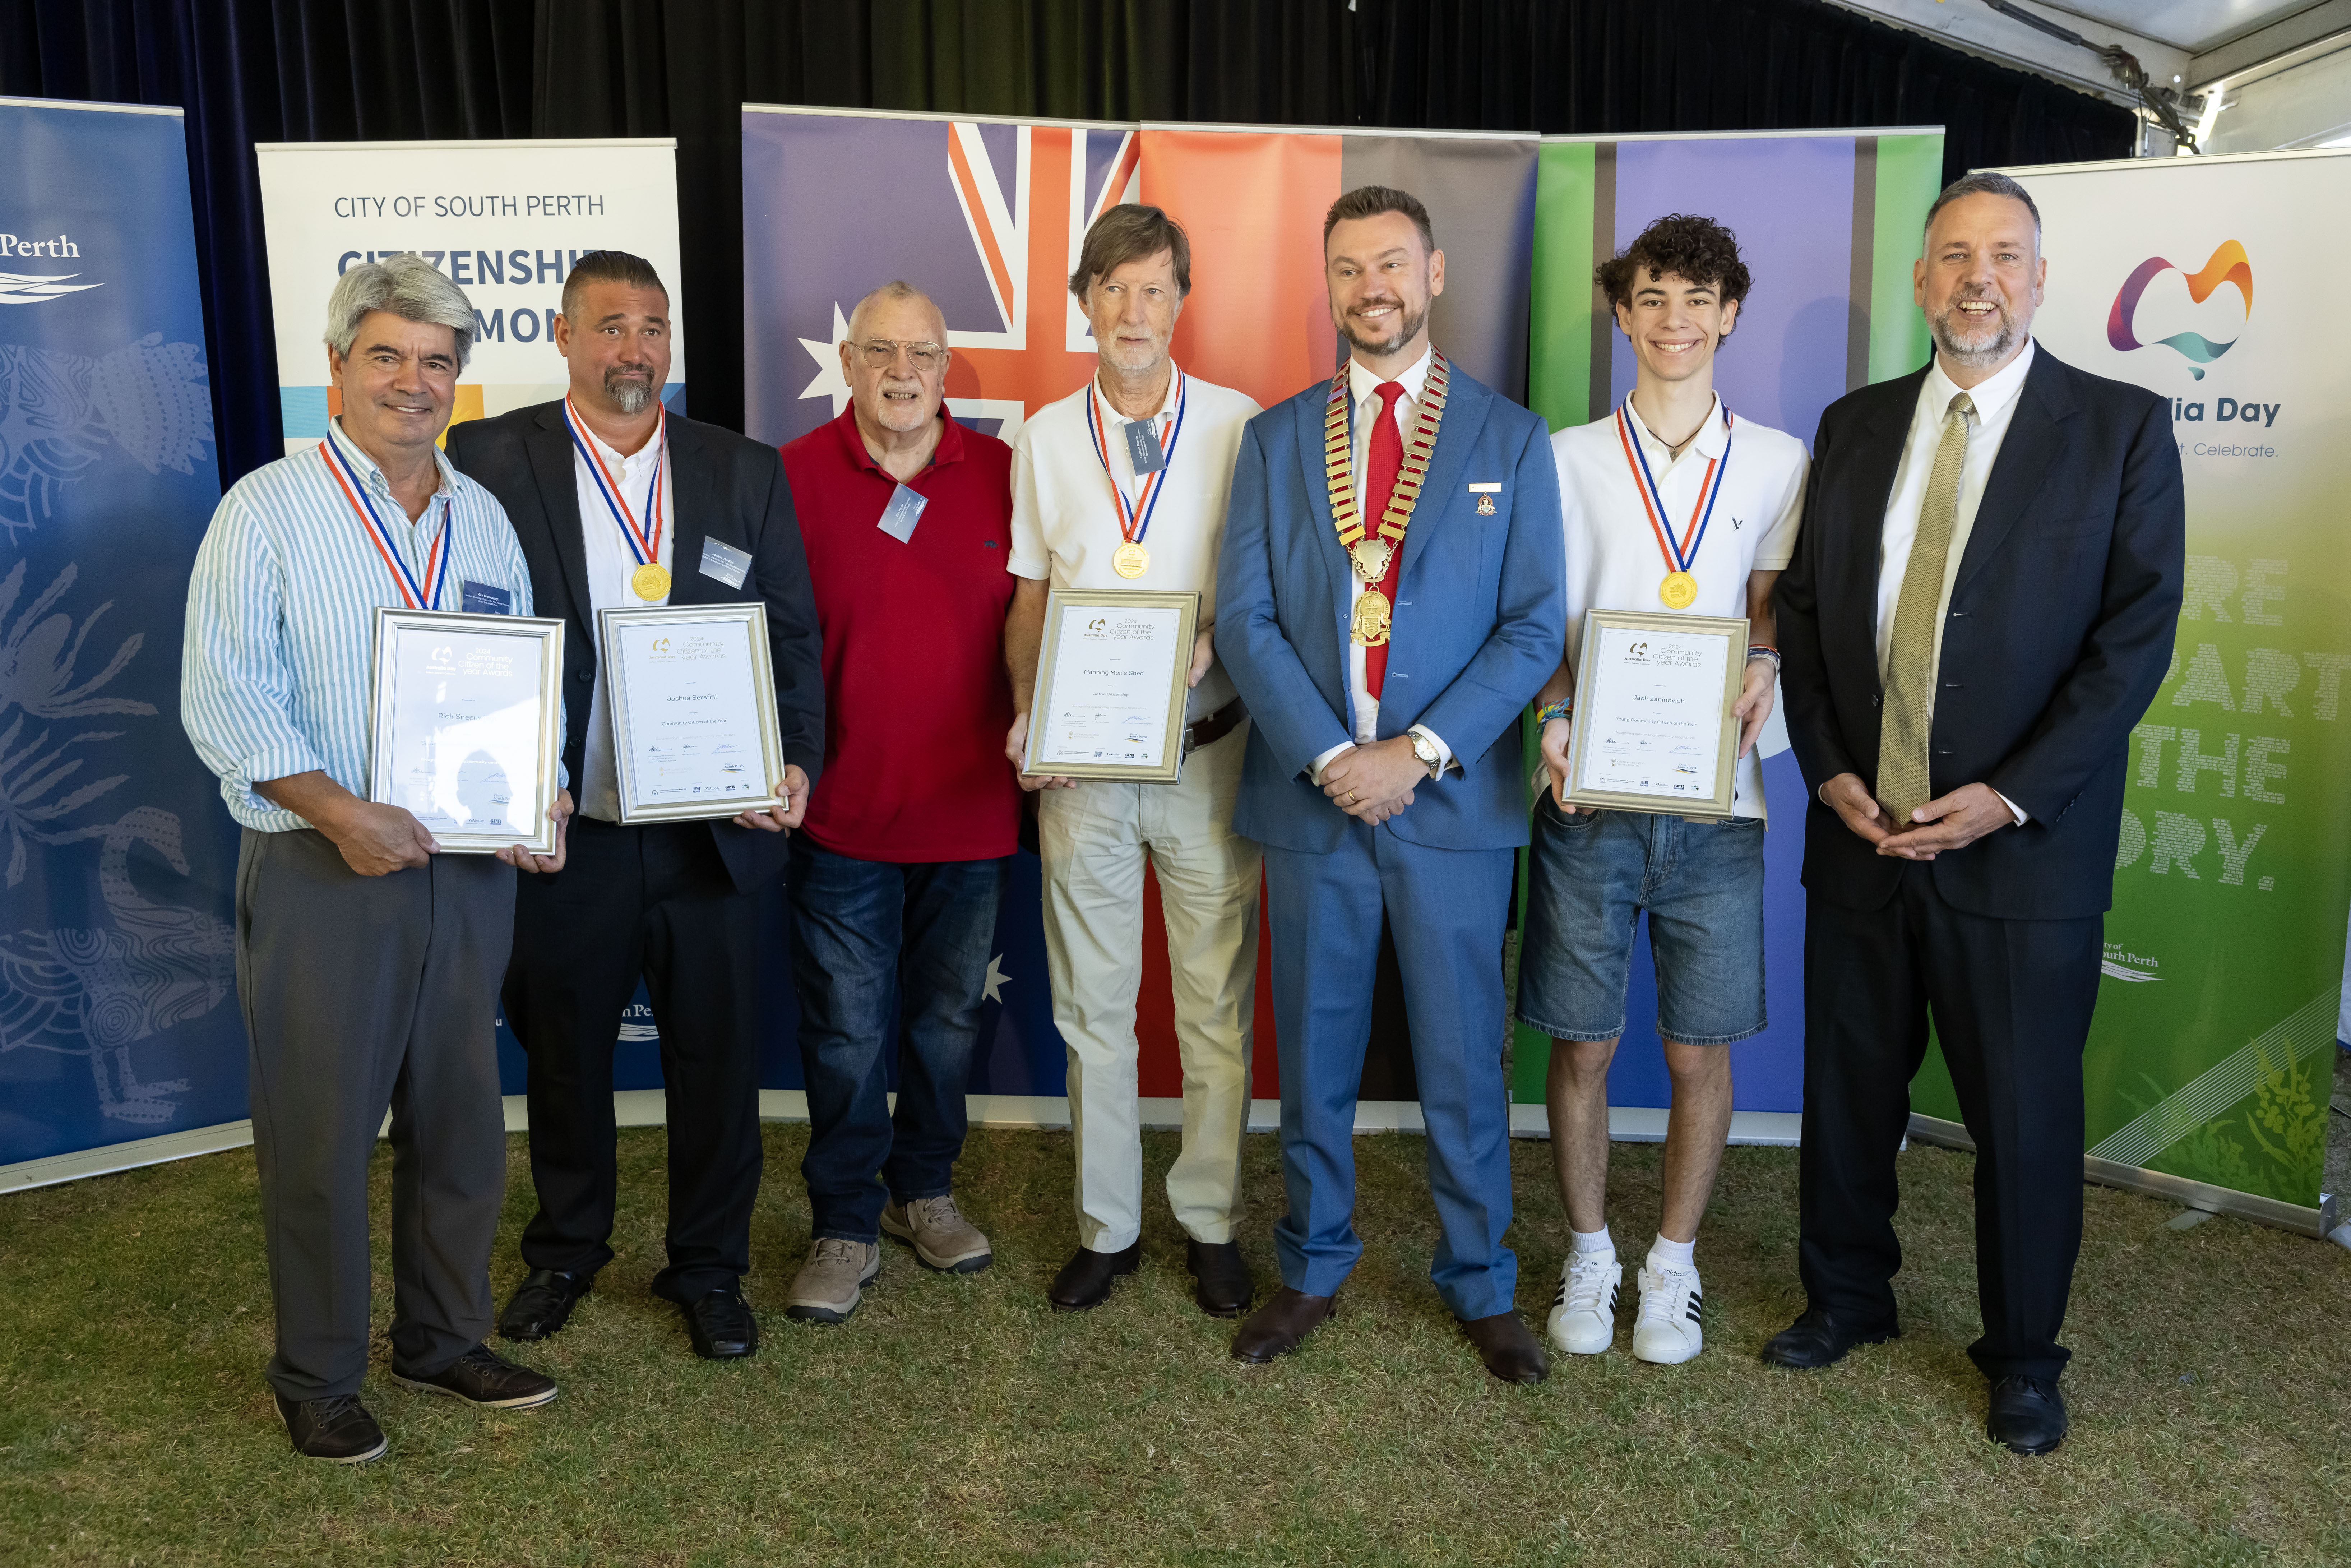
(1680, 590)
(650, 580)
(1370, 629)
(1130, 559)
(1371, 557)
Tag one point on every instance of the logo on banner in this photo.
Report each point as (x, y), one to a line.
(2228, 264)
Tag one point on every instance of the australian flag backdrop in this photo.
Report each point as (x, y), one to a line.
(118, 1020)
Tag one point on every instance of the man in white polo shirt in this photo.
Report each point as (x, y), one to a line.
(1124, 484)
(1671, 503)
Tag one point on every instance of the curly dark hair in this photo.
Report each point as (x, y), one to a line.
(1694, 249)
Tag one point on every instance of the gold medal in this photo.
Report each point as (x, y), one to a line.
(1370, 629)
(1680, 590)
(649, 582)
(1130, 559)
(1372, 559)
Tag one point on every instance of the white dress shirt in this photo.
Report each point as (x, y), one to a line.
(1364, 386)
(1995, 400)
(610, 565)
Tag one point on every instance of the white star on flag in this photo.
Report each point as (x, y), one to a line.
(992, 989)
(829, 380)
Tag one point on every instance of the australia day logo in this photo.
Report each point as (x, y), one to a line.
(2228, 265)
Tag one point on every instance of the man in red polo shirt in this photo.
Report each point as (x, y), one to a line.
(896, 876)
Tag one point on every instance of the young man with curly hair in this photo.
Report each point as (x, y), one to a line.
(1673, 503)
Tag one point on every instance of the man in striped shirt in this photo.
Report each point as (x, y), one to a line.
(367, 962)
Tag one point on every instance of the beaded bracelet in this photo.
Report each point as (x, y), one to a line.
(1762, 651)
(1551, 711)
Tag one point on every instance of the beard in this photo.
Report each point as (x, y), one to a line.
(1408, 326)
(630, 393)
(1963, 344)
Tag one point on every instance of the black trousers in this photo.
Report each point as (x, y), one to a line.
(2010, 1001)
(653, 901)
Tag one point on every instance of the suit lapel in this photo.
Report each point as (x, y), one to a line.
(552, 464)
(1464, 416)
(1310, 413)
(2036, 435)
(690, 494)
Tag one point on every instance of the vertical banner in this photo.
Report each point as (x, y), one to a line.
(505, 220)
(2210, 1058)
(1828, 225)
(121, 1041)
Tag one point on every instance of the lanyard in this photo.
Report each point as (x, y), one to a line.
(644, 542)
(1678, 555)
(1134, 521)
(415, 595)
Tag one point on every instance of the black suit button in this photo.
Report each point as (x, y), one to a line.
(583, 676)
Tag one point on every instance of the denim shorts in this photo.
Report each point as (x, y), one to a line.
(1589, 877)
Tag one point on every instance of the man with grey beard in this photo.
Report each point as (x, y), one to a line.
(1981, 607)
(620, 503)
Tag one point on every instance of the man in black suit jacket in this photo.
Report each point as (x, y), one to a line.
(619, 504)
(1981, 607)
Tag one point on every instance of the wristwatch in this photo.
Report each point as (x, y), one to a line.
(1426, 750)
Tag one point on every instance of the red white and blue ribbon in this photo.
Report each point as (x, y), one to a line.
(1680, 554)
(1135, 520)
(643, 540)
(414, 593)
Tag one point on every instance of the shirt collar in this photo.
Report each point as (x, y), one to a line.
(1991, 395)
(373, 477)
(612, 453)
(852, 442)
(1362, 383)
(1110, 411)
(1713, 436)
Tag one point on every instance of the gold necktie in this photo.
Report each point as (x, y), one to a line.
(1909, 714)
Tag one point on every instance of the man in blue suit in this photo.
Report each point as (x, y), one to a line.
(1390, 596)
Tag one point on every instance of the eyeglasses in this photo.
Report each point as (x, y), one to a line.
(883, 352)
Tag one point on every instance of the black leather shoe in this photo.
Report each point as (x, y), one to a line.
(542, 1304)
(482, 1377)
(721, 1324)
(1084, 1280)
(1225, 1286)
(338, 1430)
(2027, 1414)
(1821, 1338)
(1509, 1350)
(1278, 1327)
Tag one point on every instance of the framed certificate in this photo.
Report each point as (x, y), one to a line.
(692, 695)
(1652, 730)
(1109, 686)
(462, 725)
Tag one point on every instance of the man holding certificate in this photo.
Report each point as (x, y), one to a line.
(1390, 600)
(620, 504)
(1123, 485)
(1671, 503)
(368, 961)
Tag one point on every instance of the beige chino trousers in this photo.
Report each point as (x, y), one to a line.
(1096, 839)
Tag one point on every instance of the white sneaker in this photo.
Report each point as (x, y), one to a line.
(1666, 1331)
(1583, 1315)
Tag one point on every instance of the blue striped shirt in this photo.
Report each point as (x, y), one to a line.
(275, 669)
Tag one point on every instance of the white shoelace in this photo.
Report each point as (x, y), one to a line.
(1585, 1286)
(1667, 1303)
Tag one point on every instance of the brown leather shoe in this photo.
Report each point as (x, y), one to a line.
(1084, 1280)
(1276, 1328)
(1509, 1350)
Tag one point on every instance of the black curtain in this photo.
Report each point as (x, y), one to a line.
(287, 70)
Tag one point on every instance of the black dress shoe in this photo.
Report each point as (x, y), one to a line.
(337, 1430)
(542, 1304)
(1276, 1328)
(1821, 1338)
(721, 1324)
(1084, 1280)
(482, 1377)
(1508, 1349)
(2027, 1414)
(1225, 1286)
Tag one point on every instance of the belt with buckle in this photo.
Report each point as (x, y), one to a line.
(1214, 727)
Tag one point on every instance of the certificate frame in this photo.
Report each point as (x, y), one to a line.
(1591, 700)
(1059, 605)
(385, 675)
(751, 619)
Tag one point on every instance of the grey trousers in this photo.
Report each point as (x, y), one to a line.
(363, 993)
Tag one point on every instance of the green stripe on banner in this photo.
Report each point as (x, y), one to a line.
(1559, 364)
(1909, 174)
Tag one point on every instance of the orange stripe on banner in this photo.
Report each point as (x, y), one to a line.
(961, 167)
(1260, 318)
(2229, 265)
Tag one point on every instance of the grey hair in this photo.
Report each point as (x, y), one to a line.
(410, 287)
(1985, 182)
(896, 288)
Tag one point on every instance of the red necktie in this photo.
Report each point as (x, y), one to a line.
(1386, 462)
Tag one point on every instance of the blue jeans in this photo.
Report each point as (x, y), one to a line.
(871, 937)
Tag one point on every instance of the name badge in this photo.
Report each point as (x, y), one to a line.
(1486, 487)
(724, 562)
(482, 599)
(1143, 447)
(905, 510)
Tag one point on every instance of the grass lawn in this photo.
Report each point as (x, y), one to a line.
(957, 1420)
